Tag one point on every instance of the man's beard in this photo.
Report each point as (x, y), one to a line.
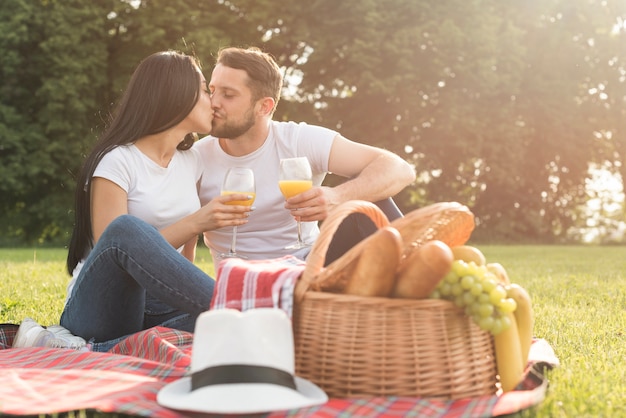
(230, 131)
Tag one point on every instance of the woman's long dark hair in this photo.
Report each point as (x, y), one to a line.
(160, 94)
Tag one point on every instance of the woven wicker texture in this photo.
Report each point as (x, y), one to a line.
(450, 222)
(335, 275)
(372, 346)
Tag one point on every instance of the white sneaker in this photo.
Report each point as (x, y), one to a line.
(31, 334)
(63, 338)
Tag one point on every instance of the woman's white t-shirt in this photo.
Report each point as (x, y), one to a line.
(270, 227)
(158, 195)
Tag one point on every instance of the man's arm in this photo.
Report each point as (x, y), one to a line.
(373, 174)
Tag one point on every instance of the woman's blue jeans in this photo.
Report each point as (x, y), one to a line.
(133, 279)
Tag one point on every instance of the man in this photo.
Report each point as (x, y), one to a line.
(245, 87)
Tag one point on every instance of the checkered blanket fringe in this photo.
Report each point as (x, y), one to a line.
(126, 380)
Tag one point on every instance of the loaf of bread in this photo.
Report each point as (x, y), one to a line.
(377, 266)
(422, 270)
(449, 222)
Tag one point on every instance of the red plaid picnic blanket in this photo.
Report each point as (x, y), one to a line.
(127, 379)
(247, 284)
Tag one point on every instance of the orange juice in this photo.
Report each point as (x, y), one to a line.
(240, 202)
(291, 188)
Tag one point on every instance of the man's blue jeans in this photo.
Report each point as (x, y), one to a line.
(133, 279)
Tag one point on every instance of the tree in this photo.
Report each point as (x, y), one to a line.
(500, 105)
(485, 98)
(66, 64)
(51, 82)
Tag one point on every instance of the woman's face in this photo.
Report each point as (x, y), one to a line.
(201, 116)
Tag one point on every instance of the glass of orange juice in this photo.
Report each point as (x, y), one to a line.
(238, 180)
(295, 177)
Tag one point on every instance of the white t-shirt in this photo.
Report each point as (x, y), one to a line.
(158, 195)
(270, 227)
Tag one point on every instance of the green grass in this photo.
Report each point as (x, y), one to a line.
(579, 299)
(33, 283)
(578, 293)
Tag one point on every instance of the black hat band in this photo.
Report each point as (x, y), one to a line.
(241, 373)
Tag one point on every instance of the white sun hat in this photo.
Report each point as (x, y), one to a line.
(241, 363)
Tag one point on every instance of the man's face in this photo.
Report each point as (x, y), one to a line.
(232, 102)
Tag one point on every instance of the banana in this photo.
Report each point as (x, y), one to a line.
(468, 253)
(523, 316)
(509, 356)
(498, 270)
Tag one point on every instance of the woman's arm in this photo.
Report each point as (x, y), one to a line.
(189, 250)
(215, 214)
(108, 201)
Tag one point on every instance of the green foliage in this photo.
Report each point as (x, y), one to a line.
(500, 105)
(483, 97)
(50, 92)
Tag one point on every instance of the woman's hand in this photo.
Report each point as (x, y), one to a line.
(215, 214)
(220, 212)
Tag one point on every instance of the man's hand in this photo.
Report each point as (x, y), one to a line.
(312, 205)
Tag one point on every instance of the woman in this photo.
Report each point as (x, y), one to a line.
(138, 216)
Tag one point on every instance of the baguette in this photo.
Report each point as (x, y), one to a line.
(375, 271)
(422, 270)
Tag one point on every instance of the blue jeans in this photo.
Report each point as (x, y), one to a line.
(132, 280)
(355, 228)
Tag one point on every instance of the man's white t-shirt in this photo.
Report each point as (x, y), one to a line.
(270, 227)
(158, 195)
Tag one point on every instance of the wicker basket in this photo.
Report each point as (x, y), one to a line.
(371, 346)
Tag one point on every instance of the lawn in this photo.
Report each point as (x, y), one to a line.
(578, 292)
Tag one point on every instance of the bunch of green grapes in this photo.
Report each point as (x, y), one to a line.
(479, 292)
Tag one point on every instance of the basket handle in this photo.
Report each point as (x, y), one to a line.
(317, 256)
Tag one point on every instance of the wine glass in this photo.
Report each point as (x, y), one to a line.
(295, 177)
(238, 180)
